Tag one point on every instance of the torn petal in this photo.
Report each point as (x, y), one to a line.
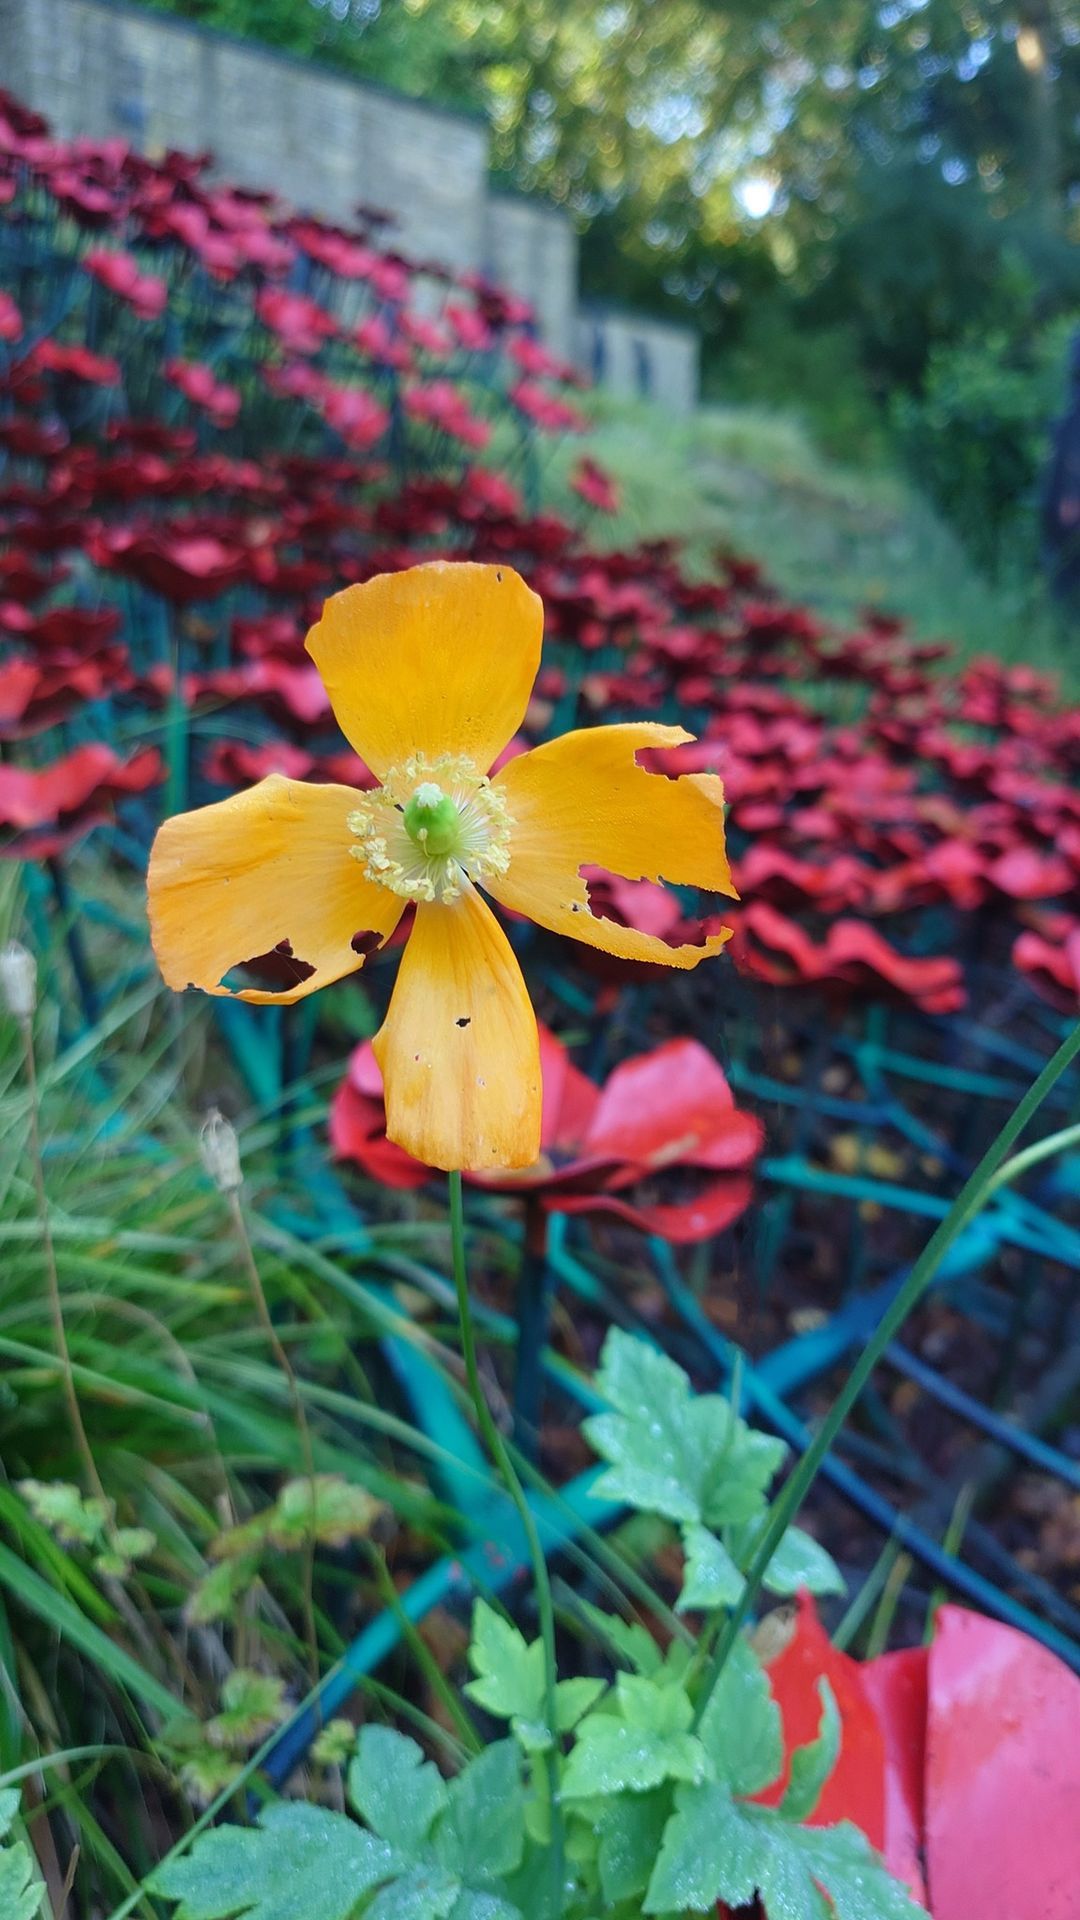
(458, 1051)
(267, 873)
(583, 801)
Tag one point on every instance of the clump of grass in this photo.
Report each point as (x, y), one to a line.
(838, 537)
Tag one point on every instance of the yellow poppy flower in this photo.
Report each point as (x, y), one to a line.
(429, 672)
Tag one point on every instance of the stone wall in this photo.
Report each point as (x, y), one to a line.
(324, 142)
(637, 355)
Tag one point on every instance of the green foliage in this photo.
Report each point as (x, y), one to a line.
(326, 1509)
(655, 1788)
(429, 1849)
(511, 1682)
(811, 1765)
(78, 1521)
(978, 435)
(21, 1893)
(692, 1459)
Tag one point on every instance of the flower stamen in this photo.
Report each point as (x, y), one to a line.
(429, 827)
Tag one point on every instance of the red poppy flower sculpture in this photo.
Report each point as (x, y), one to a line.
(664, 1119)
(960, 1761)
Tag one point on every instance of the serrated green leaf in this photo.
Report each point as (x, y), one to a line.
(424, 1893)
(632, 1642)
(718, 1848)
(711, 1579)
(298, 1859)
(574, 1699)
(707, 1854)
(395, 1789)
(481, 1833)
(611, 1757)
(685, 1456)
(510, 1672)
(253, 1704)
(799, 1561)
(660, 1705)
(741, 1729)
(853, 1875)
(630, 1832)
(20, 1892)
(811, 1765)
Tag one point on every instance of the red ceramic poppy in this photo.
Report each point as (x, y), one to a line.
(666, 1117)
(545, 409)
(11, 323)
(199, 385)
(44, 809)
(145, 293)
(595, 486)
(963, 1762)
(852, 957)
(442, 405)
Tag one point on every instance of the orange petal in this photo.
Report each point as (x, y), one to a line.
(232, 881)
(458, 1050)
(437, 660)
(583, 801)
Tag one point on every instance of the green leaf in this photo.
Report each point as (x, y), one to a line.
(707, 1855)
(253, 1704)
(124, 1545)
(712, 1579)
(335, 1743)
(741, 1729)
(215, 1595)
(20, 1892)
(483, 1906)
(799, 1561)
(74, 1520)
(338, 1513)
(718, 1848)
(395, 1789)
(632, 1642)
(615, 1758)
(424, 1893)
(206, 1772)
(482, 1832)
(811, 1765)
(853, 1875)
(636, 1740)
(510, 1672)
(630, 1832)
(9, 1810)
(297, 1857)
(574, 1699)
(686, 1456)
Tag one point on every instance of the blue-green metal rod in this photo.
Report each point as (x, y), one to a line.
(762, 1394)
(1027, 1445)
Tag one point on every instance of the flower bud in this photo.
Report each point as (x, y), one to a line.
(220, 1151)
(18, 980)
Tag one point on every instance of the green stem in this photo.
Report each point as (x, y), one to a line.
(497, 1448)
(971, 1198)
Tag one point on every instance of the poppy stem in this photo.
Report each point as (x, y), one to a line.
(973, 1195)
(533, 1311)
(497, 1448)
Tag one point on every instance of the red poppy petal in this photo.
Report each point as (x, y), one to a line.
(1002, 1775)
